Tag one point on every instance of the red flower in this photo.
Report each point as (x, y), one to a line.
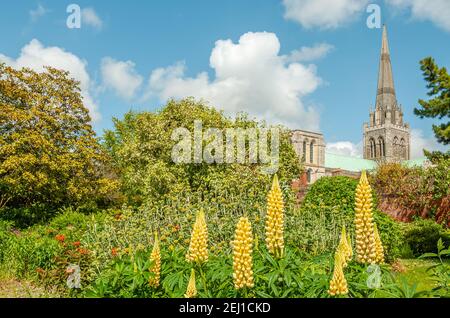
(60, 237)
(82, 251)
(114, 251)
(76, 244)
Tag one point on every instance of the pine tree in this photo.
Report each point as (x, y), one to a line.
(438, 107)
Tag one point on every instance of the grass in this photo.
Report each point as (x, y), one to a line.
(416, 273)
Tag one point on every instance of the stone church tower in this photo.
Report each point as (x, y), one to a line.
(386, 136)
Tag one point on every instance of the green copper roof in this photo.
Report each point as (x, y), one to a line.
(358, 164)
(348, 163)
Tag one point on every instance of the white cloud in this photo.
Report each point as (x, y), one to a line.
(436, 11)
(121, 76)
(35, 14)
(325, 14)
(345, 148)
(91, 18)
(420, 142)
(250, 76)
(35, 56)
(308, 54)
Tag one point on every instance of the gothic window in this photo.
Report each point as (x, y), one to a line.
(381, 147)
(396, 146)
(373, 148)
(403, 148)
(311, 152)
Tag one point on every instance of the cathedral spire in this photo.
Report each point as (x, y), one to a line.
(386, 91)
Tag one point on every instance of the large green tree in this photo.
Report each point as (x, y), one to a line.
(438, 83)
(49, 155)
(141, 147)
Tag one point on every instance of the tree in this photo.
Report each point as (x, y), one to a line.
(439, 107)
(49, 154)
(141, 146)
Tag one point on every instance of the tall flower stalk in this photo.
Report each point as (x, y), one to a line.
(198, 247)
(364, 227)
(338, 284)
(275, 220)
(242, 255)
(191, 290)
(345, 248)
(155, 258)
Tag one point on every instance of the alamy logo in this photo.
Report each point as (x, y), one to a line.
(227, 146)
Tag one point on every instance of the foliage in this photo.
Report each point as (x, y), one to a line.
(440, 271)
(418, 191)
(329, 205)
(48, 151)
(141, 147)
(438, 83)
(423, 235)
(43, 253)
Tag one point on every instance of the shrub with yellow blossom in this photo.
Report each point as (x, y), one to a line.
(191, 290)
(198, 247)
(364, 229)
(275, 220)
(155, 258)
(338, 284)
(242, 255)
(378, 246)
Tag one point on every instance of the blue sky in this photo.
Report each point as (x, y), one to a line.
(136, 54)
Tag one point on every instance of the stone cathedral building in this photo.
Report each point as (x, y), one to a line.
(386, 137)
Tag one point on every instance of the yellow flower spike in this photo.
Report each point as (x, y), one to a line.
(191, 291)
(378, 246)
(345, 248)
(155, 258)
(349, 242)
(364, 230)
(198, 247)
(275, 220)
(242, 255)
(338, 284)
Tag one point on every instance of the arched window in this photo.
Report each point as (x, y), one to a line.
(373, 148)
(403, 148)
(381, 147)
(396, 146)
(311, 152)
(308, 175)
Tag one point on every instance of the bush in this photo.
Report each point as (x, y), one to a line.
(422, 236)
(416, 191)
(328, 205)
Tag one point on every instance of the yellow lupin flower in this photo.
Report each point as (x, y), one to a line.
(191, 291)
(242, 254)
(155, 258)
(364, 230)
(378, 246)
(198, 247)
(275, 220)
(349, 241)
(338, 284)
(345, 247)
